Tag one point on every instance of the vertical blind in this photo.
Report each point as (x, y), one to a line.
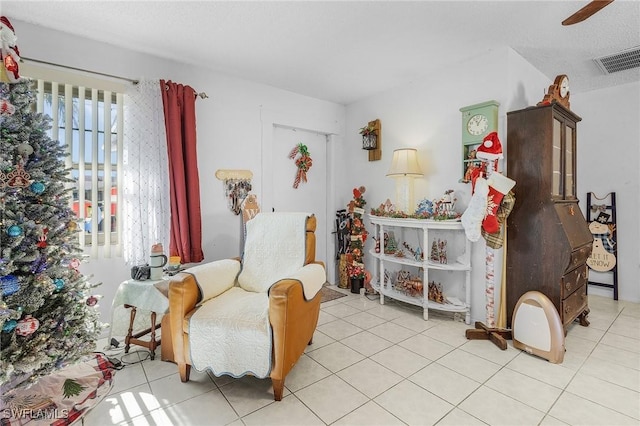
(92, 121)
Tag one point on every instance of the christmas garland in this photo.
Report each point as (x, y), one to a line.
(303, 162)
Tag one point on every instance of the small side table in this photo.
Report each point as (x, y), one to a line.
(151, 295)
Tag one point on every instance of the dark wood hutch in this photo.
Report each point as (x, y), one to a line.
(548, 239)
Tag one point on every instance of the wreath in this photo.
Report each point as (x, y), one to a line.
(303, 163)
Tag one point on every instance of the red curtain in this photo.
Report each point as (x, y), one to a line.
(180, 122)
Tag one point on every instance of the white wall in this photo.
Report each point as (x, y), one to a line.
(609, 160)
(425, 115)
(230, 128)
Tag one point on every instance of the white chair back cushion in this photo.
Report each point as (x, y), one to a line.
(274, 249)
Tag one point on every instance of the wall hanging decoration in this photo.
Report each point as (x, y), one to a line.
(303, 163)
(237, 185)
(372, 139)
(369, 136)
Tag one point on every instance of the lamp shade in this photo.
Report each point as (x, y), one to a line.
(405, 163)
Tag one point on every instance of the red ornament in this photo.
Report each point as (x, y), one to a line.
(6, 108)
(92, 301)
(11, 65)
(42, 239)
(26, 326)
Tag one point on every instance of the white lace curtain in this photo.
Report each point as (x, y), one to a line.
(146, 205)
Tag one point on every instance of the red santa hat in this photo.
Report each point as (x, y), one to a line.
(490, 148)
(5, 21)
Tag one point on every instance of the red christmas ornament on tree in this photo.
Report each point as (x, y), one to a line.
(26, 326)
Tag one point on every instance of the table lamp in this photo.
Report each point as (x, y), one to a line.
(404, 168)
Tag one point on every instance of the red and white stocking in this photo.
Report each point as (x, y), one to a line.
(499, 186)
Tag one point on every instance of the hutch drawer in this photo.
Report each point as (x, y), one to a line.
(573, 306)
(574, 280)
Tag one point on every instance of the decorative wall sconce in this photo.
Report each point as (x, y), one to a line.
(372, 139)
(237, 185)
(404, 168)
(369, 141)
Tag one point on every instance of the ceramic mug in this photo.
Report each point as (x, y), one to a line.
(157, 261)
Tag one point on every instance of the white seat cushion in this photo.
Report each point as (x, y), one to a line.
(230, 334)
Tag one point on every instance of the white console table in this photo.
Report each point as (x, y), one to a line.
(454, 276)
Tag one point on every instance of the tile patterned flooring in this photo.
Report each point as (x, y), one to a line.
(373, 364)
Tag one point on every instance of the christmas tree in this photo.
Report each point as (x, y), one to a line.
(46, 306)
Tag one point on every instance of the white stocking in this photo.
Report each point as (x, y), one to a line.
(472, 217)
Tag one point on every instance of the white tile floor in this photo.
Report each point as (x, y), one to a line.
(373, 364)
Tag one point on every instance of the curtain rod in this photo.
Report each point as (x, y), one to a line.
(202, 95)
(38, 61)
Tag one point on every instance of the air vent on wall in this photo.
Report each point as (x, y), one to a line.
(623, 60)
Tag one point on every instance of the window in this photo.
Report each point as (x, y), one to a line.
(88, 121)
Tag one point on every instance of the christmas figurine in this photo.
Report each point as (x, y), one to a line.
(390, 245)
(442, 251)
(487, 192)
(434, 252)
(9, 53)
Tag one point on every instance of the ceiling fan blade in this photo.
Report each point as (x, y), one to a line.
(586, 12)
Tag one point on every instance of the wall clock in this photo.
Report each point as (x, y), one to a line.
(478, 120)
